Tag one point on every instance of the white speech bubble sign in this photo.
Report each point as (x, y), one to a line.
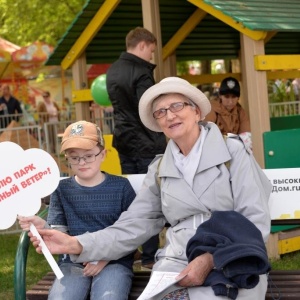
(26, 176)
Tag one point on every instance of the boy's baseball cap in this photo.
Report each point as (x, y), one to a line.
(82, 135)
(231, 86)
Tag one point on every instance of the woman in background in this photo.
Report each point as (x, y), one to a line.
(48, 112)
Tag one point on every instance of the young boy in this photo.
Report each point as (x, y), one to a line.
(86, 202)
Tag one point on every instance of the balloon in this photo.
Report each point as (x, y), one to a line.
(99, 91)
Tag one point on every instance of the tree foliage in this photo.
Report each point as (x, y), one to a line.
(24, 21)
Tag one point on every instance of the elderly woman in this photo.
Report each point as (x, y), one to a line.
(183, 187)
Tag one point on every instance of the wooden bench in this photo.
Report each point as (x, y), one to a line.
(41, 289)
(283, 285)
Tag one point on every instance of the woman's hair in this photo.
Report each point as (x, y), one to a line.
(46, 93)
(193, 104)
(137, 35)
(100, 146)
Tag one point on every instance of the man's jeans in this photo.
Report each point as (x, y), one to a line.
(134, 165)
(112, 283)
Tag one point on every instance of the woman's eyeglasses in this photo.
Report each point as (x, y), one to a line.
(174, 107)
(88, 158)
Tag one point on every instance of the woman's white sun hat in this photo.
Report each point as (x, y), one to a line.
(167, 86)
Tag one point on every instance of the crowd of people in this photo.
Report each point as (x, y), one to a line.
(45, 111)
(207, 189)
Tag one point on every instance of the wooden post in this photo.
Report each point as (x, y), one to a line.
(169, 65)
(82, 109)
(255, 94)
(272, 246)
(151, 20)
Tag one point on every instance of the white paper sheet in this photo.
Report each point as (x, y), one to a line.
(159, 281)
(54, 266)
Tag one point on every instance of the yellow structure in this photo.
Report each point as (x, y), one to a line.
(256, 33)
(112, 163)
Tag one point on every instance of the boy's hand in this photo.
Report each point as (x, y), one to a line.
(93, 269)
(25, 222)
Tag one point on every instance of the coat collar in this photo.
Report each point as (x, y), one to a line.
(138, 60)
(214, 152)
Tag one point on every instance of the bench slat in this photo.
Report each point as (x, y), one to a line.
(285, 282)
(282, 296)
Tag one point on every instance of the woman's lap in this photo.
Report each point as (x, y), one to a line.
(206, 293)
(181, 294)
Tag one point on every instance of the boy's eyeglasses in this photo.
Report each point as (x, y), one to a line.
(88, 158)
(174, 107)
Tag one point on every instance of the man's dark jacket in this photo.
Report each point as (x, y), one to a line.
(126, 80)
(238, 250)
(13, 107)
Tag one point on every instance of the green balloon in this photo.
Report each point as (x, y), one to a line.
(99, 91)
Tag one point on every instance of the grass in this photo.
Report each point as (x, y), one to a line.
(37, 265)
(289, 261)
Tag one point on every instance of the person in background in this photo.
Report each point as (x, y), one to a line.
(185, 187)
(296, 88)
(48, 112)
(89, 201)
(48, 109)
(126, 80)
(228, 114)
(66, 107)
(9, 105)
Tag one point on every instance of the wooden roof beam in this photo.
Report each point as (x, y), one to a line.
(255, 35)
(183, 32)
(89, 32)
(211, 78)
(269, 36)
(273, 75)
(276, 62)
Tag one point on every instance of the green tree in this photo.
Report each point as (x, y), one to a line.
(24, 21)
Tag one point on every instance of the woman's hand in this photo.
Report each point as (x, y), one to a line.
(94, 268)
(196, 271)
(56, 241)
(25, 222)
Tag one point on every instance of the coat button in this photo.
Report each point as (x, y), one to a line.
(179, 252)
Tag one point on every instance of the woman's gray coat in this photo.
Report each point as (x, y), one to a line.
(172, 200)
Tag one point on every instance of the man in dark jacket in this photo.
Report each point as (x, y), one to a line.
(126, 80)
(9, 105)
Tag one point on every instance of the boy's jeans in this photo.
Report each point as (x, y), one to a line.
(112, 283)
